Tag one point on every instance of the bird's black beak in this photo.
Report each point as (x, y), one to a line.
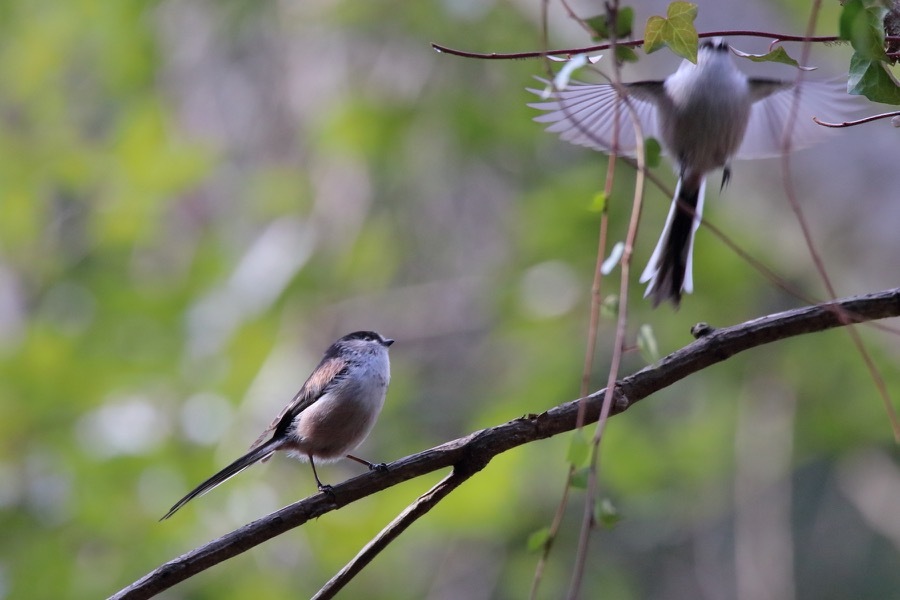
(388, 341)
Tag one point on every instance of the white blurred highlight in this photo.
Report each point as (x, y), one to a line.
(205, 417)
(260, 277)
(549, 289)
(131, 425)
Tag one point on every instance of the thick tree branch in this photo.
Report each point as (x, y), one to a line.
(470, 454)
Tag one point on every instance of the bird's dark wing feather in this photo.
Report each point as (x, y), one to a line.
(330, 371)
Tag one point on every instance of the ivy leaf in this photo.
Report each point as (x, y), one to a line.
(675, 31)
(862, 27)
(625, 22)
(871, 78)
(655, 34)
(682, 11)
(600, 24)
(625, 54)
(682, 38)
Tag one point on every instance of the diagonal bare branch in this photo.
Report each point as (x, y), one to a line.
(392, 531)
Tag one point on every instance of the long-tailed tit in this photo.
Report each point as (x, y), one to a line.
(705, 114)
(331, 414)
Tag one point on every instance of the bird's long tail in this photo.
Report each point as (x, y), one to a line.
(669, 271)
(251, 458)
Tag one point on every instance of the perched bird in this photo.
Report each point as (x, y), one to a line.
(705, 114)
(331, 415)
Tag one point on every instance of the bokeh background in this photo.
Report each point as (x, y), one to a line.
(197, 197)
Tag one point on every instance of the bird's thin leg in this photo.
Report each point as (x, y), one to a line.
(322, 486)
(372, 466)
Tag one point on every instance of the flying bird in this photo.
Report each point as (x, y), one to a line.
(705, 115)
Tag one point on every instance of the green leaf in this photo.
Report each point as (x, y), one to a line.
(600, 24)
(600, 27)
(606, 513)
(647, 345)
(862, 26)
(871, 78)
(609, 308)
(682, 39)
(538, 539)
(655, 34)
(578, 449)
(682, 11)
(652, 151)
(579, 479)
(677, 31)
(625, 22)
(778, 55)
(625, 54)
(598, 202)
(849, 13)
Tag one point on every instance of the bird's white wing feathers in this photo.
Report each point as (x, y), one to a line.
(586, 114)
(771, 116)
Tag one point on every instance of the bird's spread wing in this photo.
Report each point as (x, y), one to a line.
(771, 115)
(594, 115)
(330, 371)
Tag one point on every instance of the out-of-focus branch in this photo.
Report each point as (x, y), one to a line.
(473, 452)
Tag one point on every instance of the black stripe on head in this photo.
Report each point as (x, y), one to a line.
(718, 44)
(367, 336)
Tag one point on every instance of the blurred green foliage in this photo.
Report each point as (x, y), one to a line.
(197, 198)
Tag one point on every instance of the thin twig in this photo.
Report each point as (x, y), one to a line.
(419, 508)
(631, 43)
(858, 121)
(776, 38)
